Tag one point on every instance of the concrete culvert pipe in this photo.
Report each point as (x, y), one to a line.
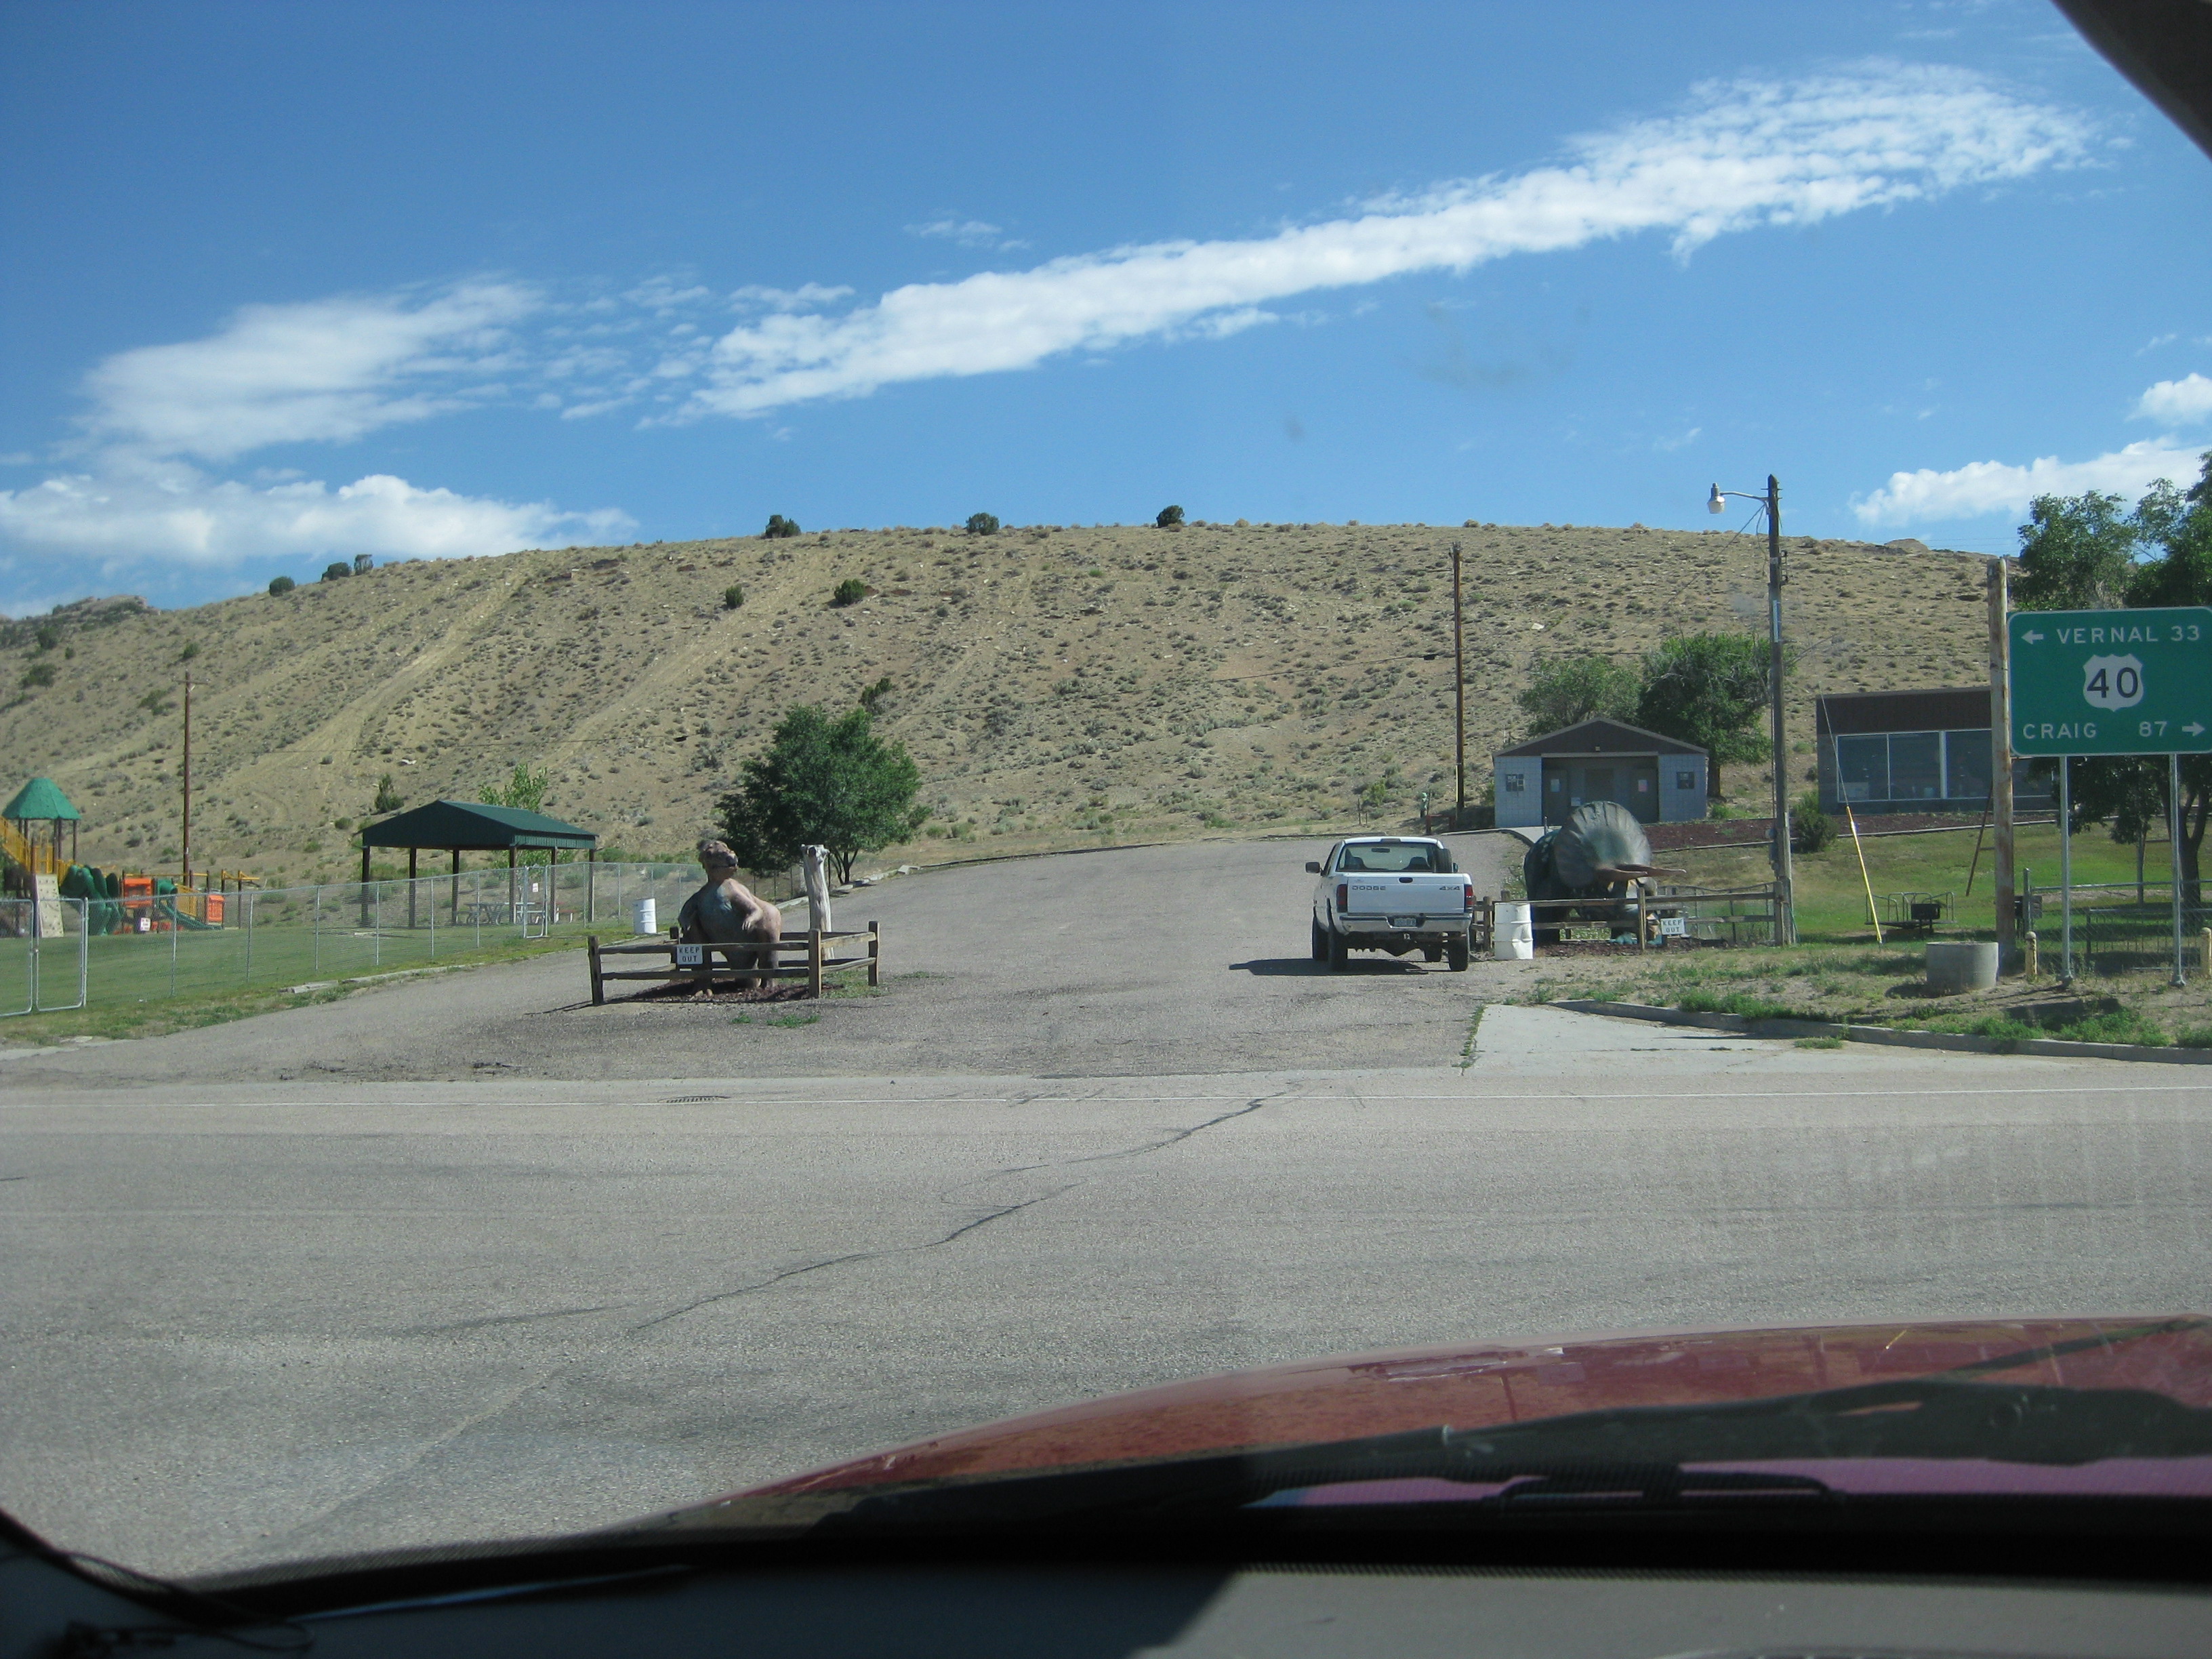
(1955, 965)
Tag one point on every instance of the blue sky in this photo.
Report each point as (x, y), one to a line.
(282, 284)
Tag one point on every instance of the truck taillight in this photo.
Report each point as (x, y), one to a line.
(1344, 896)
(1467, 894)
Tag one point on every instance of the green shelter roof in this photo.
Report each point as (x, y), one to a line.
(42, 798)
(473, 827)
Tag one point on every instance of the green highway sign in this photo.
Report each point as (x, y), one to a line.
(2111, 682)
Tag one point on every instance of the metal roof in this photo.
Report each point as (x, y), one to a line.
(1947, 708)
(42, 798)
(1602, 736)
(472, 827)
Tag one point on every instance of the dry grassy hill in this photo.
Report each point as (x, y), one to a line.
(1056, 684)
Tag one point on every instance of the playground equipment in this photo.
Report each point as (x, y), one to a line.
(41, 801)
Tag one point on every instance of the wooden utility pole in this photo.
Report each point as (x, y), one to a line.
(185, 874)
(2001, 762)
(1459, 684)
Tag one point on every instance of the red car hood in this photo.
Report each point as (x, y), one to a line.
(1479, 1385)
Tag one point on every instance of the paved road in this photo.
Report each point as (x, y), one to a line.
(254, 1322)
(1140, 961)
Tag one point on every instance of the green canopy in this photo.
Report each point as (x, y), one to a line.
(39, 799)
(470, 826)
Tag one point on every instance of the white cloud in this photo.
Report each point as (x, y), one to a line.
(2177, 403)
(1984, 487)
(805, 297)
(1742, 155)
(175, 514)
(322, 371)
(969, 233)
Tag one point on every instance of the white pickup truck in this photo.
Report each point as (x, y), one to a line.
(1391, 893)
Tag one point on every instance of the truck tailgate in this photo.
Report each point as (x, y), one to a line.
(1414, 901)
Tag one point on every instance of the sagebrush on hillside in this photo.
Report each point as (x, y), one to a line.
(1052, 685)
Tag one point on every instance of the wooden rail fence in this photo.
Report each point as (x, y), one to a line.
(699, 963)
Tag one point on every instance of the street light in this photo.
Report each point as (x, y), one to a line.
(1785, 910)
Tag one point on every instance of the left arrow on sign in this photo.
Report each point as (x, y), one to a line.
(2032, 637)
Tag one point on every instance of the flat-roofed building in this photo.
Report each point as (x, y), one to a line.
(1911, 751)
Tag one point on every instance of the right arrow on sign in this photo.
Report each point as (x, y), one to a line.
(2195, 728)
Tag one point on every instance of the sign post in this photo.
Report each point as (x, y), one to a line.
(2113, 682)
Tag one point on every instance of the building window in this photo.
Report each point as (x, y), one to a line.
(1686, 780)
(1966, 765)
(1863, 767)
(1915, 765)
(1514, 782)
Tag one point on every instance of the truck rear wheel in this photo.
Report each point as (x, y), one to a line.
(1320, 944)
(1339, 953)
(1456, 953)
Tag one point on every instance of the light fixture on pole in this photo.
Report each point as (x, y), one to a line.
(1785, 910)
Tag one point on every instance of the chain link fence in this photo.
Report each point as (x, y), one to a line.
(139, 949)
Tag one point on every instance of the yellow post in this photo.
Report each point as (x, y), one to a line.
(1859, 847)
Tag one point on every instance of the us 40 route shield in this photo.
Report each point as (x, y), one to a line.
(2111, 682)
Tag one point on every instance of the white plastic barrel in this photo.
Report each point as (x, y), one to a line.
(1512, 937)
(649, 917)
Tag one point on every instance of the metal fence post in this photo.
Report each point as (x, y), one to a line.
(249, 898)
(434, 928)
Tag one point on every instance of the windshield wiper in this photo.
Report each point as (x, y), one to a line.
(1645, 1456)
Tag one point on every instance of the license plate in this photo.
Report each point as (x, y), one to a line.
(1405, 921)
(689, 956)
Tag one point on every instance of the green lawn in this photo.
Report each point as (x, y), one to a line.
(1832, 900)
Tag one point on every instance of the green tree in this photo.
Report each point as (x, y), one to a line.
(779, 528)
(1709, 690)
(282, 584)
(524, 790)
(2128, 793)
(1169, 515)
(335, 569)
(387, 797)
(982, 524)
(828, 781)
(1568, 691)
(2076, 553)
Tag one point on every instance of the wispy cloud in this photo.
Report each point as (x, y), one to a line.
(1985, 487)
(969, 233)
(1741, 154)
(325, 371)
(2185, 401)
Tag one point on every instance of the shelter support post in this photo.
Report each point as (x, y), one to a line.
(510, 884)
(455, 915)
(591, 883)
(364, 882)
(412, 853)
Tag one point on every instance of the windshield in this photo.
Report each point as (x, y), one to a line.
(682, 692)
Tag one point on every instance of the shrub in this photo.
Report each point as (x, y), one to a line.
(191, 649)
(282, 585)
(336, 568)
(38, 673)
(1811, 830)
(388, 797)
(982, 524)
(46, 638)
(871, 696)
(851, 591)
(1169, 515)
(733, 596)
(779, 528)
